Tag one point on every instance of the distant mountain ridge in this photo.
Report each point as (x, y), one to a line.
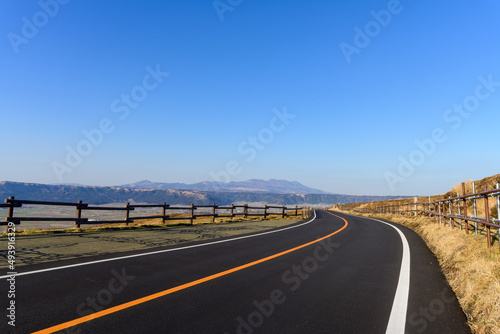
(253, 185)
(106, 195)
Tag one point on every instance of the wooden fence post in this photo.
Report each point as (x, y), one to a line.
(265, 211)
(434, 209)
(452, 222)
(192, 213)
(164, 212)
(459, 211)
(127, 213)
(232, 211)
(213, 212)
(245, 211)
(475, 206)
(297, 210)
(465, 210)
(283, 212)
(78, 214)
(10, 213)
(498, 212)
(430, 215)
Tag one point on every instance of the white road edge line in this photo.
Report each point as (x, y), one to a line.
(397, 320)
(156, 252)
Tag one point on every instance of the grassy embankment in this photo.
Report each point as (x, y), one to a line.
(472, 269)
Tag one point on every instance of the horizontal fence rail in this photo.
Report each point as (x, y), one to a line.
(190, 212)
(453, 209)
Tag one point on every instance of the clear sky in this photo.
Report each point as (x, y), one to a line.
(352, 97)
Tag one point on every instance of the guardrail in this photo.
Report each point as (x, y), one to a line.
(452, 208)
(229, 211)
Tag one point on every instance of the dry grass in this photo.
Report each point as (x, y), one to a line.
(472, 270)
(145, 223)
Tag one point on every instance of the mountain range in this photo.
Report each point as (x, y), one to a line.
(253, 185)
(106, 195)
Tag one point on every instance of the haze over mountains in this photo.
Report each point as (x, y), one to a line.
(278, 192)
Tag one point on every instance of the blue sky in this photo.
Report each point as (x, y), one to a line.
(335, 94)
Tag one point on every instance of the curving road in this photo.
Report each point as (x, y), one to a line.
(332, 274)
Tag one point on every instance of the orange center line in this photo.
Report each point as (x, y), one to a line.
(132, 303)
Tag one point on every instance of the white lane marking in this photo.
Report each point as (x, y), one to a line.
(157, 252)
(397, 320)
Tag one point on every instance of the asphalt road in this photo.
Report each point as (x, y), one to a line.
(288, 281)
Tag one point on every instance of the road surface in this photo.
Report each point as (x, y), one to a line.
(335, 273)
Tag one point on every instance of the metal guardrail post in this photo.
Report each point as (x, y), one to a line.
(487, 216)
(415, 200)
(440, 217)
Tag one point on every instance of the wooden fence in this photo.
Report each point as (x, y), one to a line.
(453, 209)
(215, 211)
